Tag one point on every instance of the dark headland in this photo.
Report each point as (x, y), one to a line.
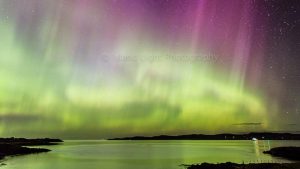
(249, 136)
(15, 146)
(291, 153)
(229, 165)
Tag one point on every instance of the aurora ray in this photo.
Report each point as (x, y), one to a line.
(98, 69)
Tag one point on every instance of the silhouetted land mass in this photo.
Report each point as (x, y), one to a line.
(15, 146)
(249, 136)
(291, 153)
(11, 150)
(230, 165)
(30, 142)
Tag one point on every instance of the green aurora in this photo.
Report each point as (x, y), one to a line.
(58, 80)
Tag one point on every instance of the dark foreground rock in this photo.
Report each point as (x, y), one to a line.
(291, 153)
(15, 146)
(11, 150)
(229, 165)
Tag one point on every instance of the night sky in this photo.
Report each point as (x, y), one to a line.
(113, 68)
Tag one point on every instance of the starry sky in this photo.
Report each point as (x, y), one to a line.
(111, 68)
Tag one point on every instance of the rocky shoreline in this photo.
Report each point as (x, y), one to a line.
(290, 153)
(230, 165)
(15, 146)
(12, 150)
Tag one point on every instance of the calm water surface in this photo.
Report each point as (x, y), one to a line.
(145, 154)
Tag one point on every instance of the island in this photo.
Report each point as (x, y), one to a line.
(15, 146)
(248, 136)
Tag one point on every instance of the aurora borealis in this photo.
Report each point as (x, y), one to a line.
(107, 68)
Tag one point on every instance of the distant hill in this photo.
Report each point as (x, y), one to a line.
(30, 142)
(249, 136)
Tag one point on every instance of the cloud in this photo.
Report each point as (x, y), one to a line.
(18, 118)
(292, 124)
(248, 124)
(142, 109)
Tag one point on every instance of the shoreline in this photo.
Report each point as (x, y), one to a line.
(289, 153)
(230, 165)
(17, 146)
(225, 136)
(14, 150)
